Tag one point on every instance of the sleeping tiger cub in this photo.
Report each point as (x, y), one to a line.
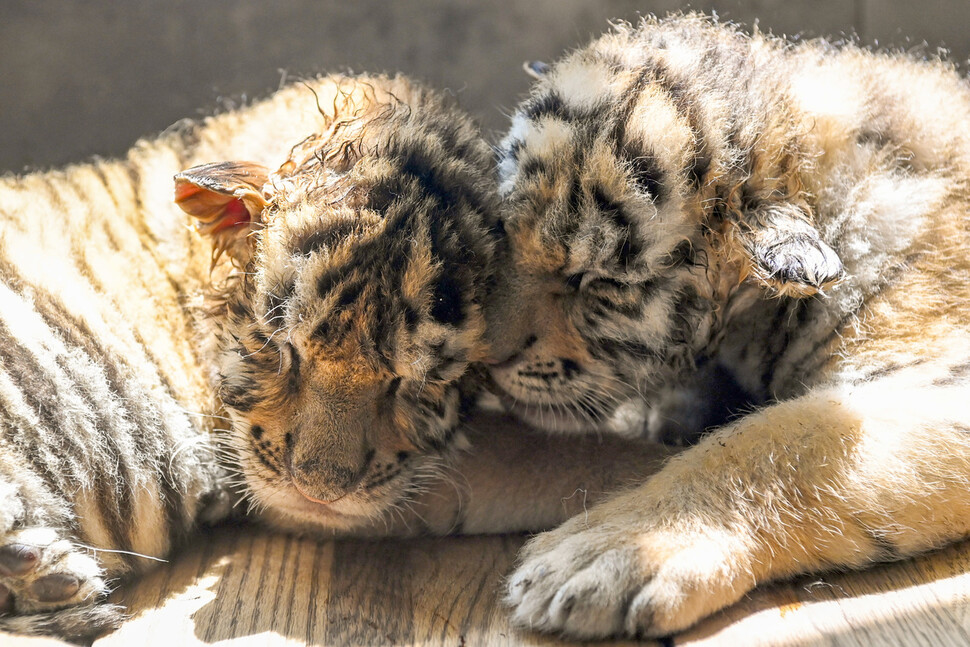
(689, 206)
(303, 356)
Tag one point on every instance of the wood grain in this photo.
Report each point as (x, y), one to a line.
(253, 587)
(243, 586)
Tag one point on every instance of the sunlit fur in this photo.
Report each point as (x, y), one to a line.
(299, 354)
(341, 340)
(326, 359)
(690, 208)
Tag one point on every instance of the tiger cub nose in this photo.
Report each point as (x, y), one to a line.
(323, 479)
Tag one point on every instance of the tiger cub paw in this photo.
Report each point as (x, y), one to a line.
(617, 574)
(48, 586)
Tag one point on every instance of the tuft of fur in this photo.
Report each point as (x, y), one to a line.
(687, 203)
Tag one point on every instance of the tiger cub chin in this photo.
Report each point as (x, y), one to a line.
(303, 355)
(690, 207)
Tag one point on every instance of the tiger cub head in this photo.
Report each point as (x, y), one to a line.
(354, 306)
(633, 220)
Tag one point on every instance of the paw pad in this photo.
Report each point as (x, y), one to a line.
(18, 559)
(41, 571)
(55, 588)
(6, 600)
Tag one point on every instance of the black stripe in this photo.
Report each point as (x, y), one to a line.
(436, 178)
(549, 104)
(957, 374)
(159, 373)
(884, 547)
(148, 436)
(267, 456)
(411, 317)
(677, 89)
(382, 195)
(324, 235)
(446, 302)
(779, 336)
(890, 369)
(611, 209)
(112, 486)
(688, 310)
(439, 445)
(623, 348)
(328, 280)
(645, 171)
(349, 294)
(382, 479)
(134, 175)
(240, 393)
(13, 427)
(628, 250)
(682, 254)
(40, 396)
(532, 167)
(618, 136)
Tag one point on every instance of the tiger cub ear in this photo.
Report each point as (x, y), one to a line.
(786, 253)
(227, 200)
(536, 69)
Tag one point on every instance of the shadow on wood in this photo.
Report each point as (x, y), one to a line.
(256, 587)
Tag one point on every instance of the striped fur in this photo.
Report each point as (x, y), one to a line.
(308, 354)
(145, 383)
(354, 309)
(704, 222)
(104, 462)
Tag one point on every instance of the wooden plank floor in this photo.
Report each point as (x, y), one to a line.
(243, 586)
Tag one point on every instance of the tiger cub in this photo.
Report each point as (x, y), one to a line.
(303, 356)
(683, 201)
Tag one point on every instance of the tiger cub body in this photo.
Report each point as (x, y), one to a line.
(300, 360)
(689, 207)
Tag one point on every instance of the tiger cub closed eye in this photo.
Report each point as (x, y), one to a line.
(345, 265)
(691, 208)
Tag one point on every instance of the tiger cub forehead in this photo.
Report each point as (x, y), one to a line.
(581, 169)
(377, 234)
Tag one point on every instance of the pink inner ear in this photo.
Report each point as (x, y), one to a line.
(234, 214)
(184, 190)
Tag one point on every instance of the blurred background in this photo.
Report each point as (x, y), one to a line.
(88, 78)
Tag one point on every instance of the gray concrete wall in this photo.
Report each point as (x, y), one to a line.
(86, 77)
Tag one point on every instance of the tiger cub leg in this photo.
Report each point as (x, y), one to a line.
(48, 584)
(841, 477)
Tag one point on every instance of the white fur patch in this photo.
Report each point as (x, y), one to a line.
(833, 99)
(629, 419)
(886, 214)
(507, 167)
(547, 136)
(657, 122)
(584, 85)
(540, 139)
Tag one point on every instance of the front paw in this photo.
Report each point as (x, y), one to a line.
(618, 573)
(48, 586)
